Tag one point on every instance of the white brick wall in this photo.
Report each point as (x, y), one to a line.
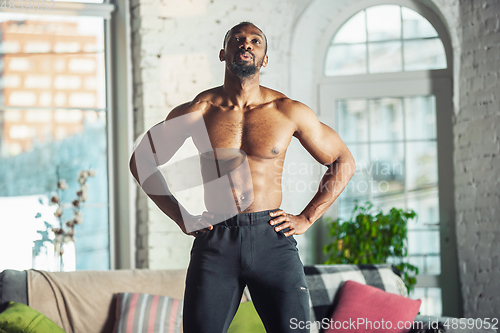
(477, 158)
(175, 50)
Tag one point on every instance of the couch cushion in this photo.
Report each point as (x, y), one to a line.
(18, 317)
(71, 298)
(13, 286)
(368, 309)
(324, 281)
(137, 313)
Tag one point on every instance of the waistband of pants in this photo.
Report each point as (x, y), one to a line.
(243, 219)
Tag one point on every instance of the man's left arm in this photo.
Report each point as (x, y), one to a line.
(326, 146)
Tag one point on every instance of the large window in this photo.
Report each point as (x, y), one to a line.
(386, 77)
(53, 123)
(394, 145)
(385, 39)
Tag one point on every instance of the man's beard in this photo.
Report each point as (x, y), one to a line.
(242, 69)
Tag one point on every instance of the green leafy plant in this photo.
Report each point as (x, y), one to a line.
(372, 238)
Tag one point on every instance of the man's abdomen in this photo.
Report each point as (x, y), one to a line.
(233, 196)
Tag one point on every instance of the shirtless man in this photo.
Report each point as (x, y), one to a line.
(242, 131)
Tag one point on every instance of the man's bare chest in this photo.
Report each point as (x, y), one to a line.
(262, 133)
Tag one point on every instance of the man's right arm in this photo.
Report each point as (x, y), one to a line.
(156, 148)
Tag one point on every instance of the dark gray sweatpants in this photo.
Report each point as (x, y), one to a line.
(245, 250)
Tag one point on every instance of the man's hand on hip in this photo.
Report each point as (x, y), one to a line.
(298, 224)
(200, 224)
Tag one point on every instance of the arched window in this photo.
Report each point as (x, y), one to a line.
(382, 39)
(385, 87)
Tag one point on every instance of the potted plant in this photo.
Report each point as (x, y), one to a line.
(372, 238)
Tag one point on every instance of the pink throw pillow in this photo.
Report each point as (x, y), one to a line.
(363, 308)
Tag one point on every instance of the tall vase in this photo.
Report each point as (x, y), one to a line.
(64, 257)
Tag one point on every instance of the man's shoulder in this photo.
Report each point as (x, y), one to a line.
(282, 102)
(292, 108)
(209, 96)
(271, 94)
(297, 112)
(199, 104)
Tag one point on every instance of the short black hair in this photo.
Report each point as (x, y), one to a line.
(239, 25)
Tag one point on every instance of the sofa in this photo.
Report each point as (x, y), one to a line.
(85, 301)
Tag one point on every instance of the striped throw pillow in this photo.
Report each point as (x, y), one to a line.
(143, 313)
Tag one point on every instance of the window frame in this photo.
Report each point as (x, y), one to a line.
(397, 84)
(119, 117)
(343, 17)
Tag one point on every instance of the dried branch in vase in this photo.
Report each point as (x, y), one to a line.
(66, 230)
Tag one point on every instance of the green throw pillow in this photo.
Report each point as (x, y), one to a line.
(246, 320)
(18, 317)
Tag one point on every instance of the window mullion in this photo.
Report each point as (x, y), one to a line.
(401, 39)
(63, 8)
(367, 53)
